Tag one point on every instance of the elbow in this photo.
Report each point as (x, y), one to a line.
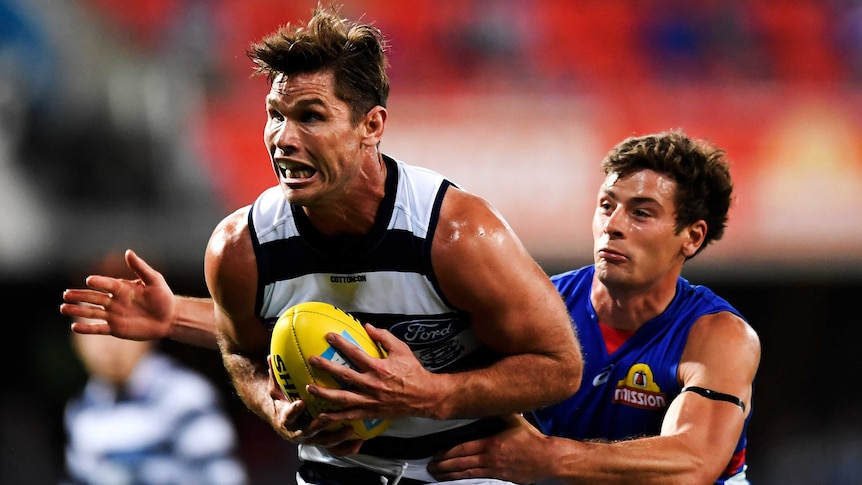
(699, 469)
(574, 372)
(700, 476)
(569, 373)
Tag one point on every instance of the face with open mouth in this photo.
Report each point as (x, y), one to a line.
(313, 146)
(292, 172)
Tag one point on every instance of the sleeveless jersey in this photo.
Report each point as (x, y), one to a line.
(626, 394)
(384, 278)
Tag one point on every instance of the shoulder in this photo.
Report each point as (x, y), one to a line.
(720, 330)
(466, 215)
(412, 170)
(721, 346)
(470, 229)
(726, 327)
(230, 264)
(230, 232)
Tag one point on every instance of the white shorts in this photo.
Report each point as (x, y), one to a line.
(468, 481)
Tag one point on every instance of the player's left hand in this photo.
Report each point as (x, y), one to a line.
(391, 387)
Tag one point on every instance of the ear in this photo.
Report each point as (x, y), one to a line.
(373, 125)
(694, 234)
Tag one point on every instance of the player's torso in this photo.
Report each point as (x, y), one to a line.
(626, 393)
(383, 278)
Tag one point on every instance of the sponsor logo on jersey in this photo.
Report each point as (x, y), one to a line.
(437, 343)
(422, 333)
(603, 376)
(639, 389)
(358, 278)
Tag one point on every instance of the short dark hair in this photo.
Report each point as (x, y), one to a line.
(354, 52)
(704, 189)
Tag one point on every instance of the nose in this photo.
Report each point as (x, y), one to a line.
(285, 138)
(614, 222)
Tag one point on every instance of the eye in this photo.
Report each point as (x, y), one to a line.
(310, 116)
(642, 213)
(274, 115)
(605, 205)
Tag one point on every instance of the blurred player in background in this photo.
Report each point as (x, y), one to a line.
(466, 315)
(669, 366)
(145, 419)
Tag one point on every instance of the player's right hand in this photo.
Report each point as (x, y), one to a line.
(139, 309)
(291, 423)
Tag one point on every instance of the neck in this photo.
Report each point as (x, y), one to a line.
(356, 210)
(630, 308)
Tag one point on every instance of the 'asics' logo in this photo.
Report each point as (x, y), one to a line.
(602, 377)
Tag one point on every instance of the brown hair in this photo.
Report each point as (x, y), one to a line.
(704, 189)
(356, 54)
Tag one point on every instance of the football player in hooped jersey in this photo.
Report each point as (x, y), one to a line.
(669, 366)
(467, 317)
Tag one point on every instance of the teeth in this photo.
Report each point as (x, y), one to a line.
(301, 173)
(295, 170)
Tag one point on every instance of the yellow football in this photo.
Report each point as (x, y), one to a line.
(300, 333)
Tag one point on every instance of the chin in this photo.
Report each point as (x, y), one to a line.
(609, 275)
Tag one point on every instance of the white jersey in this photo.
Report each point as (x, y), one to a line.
(384, 278)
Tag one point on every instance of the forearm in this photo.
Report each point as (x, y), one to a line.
(250, 378)
(514, 384)
(194, 322)
(656, 460)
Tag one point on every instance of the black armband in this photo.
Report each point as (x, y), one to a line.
(715, 395)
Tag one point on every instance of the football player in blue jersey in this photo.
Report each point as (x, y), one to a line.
(667, 386)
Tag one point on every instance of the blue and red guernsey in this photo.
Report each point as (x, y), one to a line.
(626, 394)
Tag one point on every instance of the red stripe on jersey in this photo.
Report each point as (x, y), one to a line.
(736, 462)
(614, 337)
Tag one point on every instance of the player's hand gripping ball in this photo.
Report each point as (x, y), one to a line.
(300, 333)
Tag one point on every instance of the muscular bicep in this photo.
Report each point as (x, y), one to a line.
(722, 354)
(721, 358)
(484, 269)
(231, 276)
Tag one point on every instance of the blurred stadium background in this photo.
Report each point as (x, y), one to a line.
(135, 124)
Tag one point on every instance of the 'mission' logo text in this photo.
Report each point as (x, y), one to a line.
(639, 389)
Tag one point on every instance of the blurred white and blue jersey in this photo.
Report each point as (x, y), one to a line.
(165, 427)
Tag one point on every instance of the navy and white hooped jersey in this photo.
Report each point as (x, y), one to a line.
(165, 425)
(626, 394)
(384, 278)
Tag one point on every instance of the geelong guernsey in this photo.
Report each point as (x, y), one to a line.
(384, 278)
(626, 394)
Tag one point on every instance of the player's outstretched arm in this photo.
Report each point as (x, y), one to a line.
(697, 439)
(141, 309)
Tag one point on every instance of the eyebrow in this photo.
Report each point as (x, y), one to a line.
(645, 200)
(301, 103)
(634, 200)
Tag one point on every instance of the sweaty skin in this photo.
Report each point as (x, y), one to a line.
(639, 255)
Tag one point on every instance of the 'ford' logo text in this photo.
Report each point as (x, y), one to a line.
(425, 332)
